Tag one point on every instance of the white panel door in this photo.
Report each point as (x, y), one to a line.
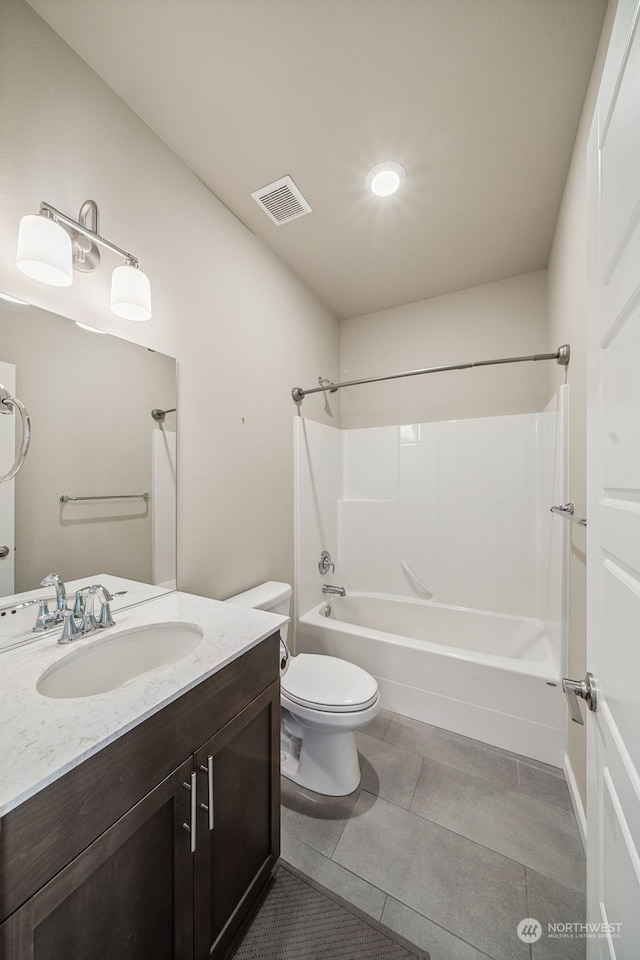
(7, 490)
(613, 545)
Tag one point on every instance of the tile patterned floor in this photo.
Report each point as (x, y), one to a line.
(447, 841)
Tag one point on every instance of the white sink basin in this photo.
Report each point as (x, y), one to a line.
(112, 660)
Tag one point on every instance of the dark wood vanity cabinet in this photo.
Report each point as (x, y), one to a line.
(127, 896)
(149, 885)
(235, 857)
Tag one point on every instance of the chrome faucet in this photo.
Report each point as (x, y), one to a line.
(85, 599)
(82, 621)
(53, 580)
(45, 619)
(337, 591)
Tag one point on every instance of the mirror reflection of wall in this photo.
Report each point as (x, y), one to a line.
(90, 398)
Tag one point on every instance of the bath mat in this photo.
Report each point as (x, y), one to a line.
(301, 920)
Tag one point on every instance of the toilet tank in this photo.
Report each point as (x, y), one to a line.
(272, 596)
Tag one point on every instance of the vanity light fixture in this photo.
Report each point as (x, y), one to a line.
(51, 245)
(385, 178)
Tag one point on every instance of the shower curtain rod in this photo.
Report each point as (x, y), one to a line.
(561, 356)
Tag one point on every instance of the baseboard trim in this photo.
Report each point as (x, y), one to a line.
(576, 800)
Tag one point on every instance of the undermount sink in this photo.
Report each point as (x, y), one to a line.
(111, 661)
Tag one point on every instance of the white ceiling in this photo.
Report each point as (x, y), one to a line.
(478, 99)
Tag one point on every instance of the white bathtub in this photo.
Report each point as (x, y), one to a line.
(489, 676)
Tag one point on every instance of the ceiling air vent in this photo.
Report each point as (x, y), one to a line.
(282, 201)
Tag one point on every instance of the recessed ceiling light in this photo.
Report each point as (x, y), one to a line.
(385, 178)
(5, 296)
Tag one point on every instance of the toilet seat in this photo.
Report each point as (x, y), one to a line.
(328, 684)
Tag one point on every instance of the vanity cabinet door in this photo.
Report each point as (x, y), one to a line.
(129, 895)
(239, 769)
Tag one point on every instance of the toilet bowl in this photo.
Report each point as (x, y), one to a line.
(324, 701)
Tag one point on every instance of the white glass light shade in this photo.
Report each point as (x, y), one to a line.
(385, 178)
(44, 251)
(131, 293)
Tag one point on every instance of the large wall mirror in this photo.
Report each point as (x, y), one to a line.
(95, 442)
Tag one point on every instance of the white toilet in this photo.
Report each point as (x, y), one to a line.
(324, 700)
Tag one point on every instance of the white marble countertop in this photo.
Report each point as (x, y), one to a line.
(43, 738)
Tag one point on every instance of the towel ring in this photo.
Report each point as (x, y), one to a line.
(7, 402)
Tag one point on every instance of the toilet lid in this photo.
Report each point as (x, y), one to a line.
(328, 683)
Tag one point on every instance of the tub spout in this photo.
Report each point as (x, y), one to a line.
(336, 591)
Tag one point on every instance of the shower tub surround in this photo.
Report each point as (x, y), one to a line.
(464, 507)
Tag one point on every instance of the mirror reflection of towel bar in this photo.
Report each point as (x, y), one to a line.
(65, 498)
(566, 510)
(7, 405)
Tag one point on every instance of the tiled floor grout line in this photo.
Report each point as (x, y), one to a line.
(546, 768)
(406, 760)
(350, 872)
(497, 751)
(415, 786)
(346, 821)
(423, 757)
(384, 903)
(455, 833)
(554, 806)
(451, 933)
(528, 905)
(388, 896)
(461, 835)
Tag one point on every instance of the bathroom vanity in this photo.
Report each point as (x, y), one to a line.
(142, 822)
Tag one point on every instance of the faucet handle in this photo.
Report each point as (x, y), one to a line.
(80, 601)
(105, 619)
(43, 618)
(70, 631)
(83, 607)
(325, 563)
(103, 590)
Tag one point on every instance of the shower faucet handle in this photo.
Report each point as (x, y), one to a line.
(324, 563)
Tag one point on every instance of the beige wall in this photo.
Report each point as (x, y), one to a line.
(507, 318)
(243, 328)
(567, 322)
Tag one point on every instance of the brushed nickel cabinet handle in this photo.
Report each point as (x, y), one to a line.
(208, 806)
(191, 827)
